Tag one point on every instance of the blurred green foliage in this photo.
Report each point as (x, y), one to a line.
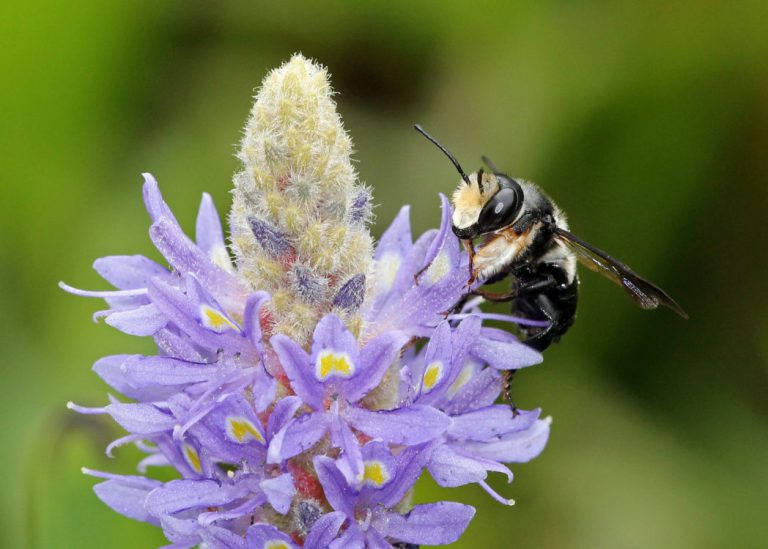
(647, 121)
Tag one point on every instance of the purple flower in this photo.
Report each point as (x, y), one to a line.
(332, 381)
(300, 391)
(368, 513)
(482, 436)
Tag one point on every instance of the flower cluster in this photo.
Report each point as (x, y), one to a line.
(301, 391)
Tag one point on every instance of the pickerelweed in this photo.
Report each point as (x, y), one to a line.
(302, 385)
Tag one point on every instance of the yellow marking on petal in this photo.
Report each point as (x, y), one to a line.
(376, 474)
(432, 375)
(276, 544)
(386, 271)
(464, 376)
(333, 364)
(215, 320)
(439, 267)
(242, 430)
(193, 458)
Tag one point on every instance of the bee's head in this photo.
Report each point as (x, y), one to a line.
(489, 202)
(483, 202)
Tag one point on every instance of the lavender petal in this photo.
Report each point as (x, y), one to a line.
(185, 257)
(153, 200)
(432, 524)
(282, 414)
(140, 418)
(262, 535)
(374, 540)
(297, 437)
(516, 447)
(177, 346)
(337, 491)
(180, 495)
(375, 358)
(352, 538)
(299, 369)
(128, 272)
(127, 498)
(451, 469)
(145, 320)
(350, 462)
(176, 305)
(411, 425)
(490, 422)
(325, 529)
(503, 351)
(439, 241)
(146, 371)
(279, 491)
(208, 232)
(221, 538)
(252, 321)
(408, 466)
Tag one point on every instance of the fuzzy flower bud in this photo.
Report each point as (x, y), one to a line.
(299, 215)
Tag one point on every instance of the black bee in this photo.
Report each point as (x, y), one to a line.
(512, 229)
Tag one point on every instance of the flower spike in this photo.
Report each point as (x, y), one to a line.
(301, 387)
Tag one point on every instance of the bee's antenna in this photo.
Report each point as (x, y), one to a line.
(447, 153)
(488, 162)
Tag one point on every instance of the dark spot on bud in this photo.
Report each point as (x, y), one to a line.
(360, 207)
(351, 294)
(272, 240)
(308, 284)
(307, 514)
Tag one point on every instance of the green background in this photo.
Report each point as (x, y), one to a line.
(647, 121)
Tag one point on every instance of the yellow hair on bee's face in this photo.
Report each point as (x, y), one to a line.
(468, 200)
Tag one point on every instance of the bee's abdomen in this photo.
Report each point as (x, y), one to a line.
(556, 305)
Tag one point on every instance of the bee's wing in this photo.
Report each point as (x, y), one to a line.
(644, 293)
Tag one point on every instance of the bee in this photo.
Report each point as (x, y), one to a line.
(512, 229)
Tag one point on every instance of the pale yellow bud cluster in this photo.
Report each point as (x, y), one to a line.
(300, 191)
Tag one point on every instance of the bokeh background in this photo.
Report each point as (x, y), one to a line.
(647, 121)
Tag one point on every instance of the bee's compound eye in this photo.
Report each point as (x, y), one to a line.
(500, 211)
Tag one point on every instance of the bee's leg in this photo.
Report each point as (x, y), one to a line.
(544, 338)
(457, 307)
(471, 251)
(509, 376)
(531, 286)
(465, 297)
(417, 276)
(496, 297)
